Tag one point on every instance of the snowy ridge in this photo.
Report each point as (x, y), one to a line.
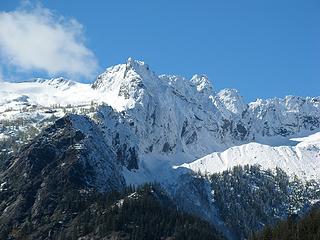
(60, 82)
(285, 116)
(43, 93)
(301, 160)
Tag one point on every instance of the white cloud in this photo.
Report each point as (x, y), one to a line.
(38, 39)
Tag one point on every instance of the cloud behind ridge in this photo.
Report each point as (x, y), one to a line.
(36, 39)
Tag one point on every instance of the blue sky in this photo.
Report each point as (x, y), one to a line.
(262, 48)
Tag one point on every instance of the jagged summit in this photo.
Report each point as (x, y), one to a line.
(133, 83)
(133, 72)
(232, 100)
(139, 67)
(202, 83)
(138, 73)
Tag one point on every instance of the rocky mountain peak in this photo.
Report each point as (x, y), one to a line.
(137, 66)
(133, 72)
(202, 83)
(232, 100)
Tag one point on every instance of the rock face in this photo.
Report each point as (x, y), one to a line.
(119, 133)
(70, 155)
(286, 116)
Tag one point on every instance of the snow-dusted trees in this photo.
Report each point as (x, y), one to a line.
(250, 198)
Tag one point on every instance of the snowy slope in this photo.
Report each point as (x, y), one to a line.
(43, 93)
(302, 160)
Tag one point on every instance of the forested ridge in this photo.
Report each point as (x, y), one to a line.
(294, 228)
(143, 213)
(249, 197)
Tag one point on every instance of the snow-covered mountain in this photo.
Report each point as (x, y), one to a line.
(164, 127)
(168, 120)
